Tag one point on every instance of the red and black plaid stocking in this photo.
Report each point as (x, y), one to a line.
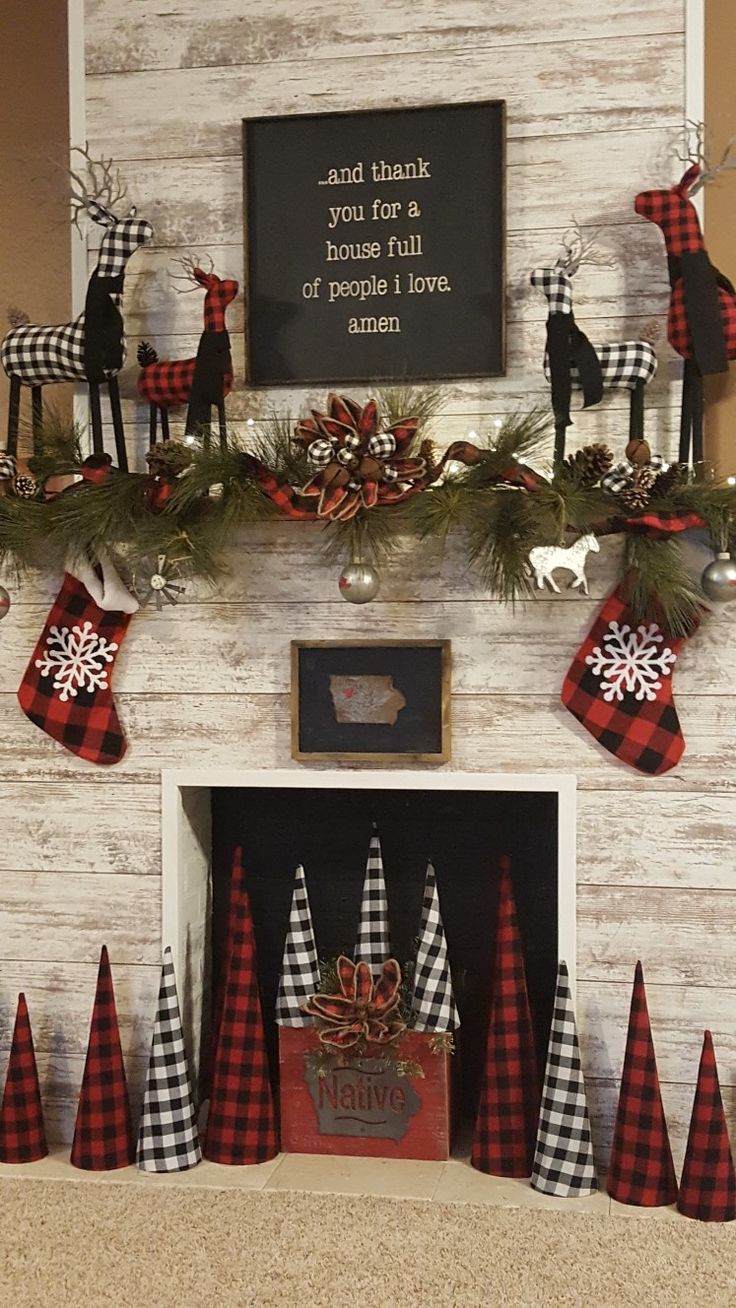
(619, 686)
(66, 687)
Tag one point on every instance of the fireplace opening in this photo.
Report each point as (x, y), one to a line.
(463, 832)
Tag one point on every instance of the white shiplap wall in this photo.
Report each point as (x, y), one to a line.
(595, 95)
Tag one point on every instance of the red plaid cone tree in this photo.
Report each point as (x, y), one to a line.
(708, 1183)
(22, 1132)
(641, 1170)
(103, 1139)
(235, 897)
(241, 1127)
(508, 1113)
(619, 687)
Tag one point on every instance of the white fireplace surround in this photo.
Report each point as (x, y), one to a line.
(187, 850)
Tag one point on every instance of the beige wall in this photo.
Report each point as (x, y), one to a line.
(34, 232)
(720, 209)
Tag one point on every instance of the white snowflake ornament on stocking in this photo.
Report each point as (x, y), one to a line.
(631, 661)
(76, 657)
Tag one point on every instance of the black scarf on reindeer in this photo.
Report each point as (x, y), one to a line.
(213, 361)
(567, 345)
(103, 328)
(701, 282)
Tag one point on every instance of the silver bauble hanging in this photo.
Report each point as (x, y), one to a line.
(358, 583)
(4, 602)
(719, 579)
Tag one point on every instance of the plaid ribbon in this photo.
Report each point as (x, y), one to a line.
(508, 1113)
(641, 1171)
(22, 1131)
(433, 1002)
(621, 475)
(373, 945)
(102, 1134)
(167, 1137)
(240, 1128)
(563, 1161)
(300, 967)
(708, 1183)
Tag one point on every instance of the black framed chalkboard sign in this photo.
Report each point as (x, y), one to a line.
(375, 245)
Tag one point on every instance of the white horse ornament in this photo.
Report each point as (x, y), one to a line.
(545, 559)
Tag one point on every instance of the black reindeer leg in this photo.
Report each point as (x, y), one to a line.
(36, 416)
(13, 415)
(697, 415)
(686, 412)
(636, 412)
(559, 361)
(117, 423)
(96, 418)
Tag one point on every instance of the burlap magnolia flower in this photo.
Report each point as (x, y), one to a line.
(354, 464)
(363, 1012)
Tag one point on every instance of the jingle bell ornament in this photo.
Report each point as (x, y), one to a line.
(358, 583)
(719, 579)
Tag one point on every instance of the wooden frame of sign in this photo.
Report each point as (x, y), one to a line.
(375, 245)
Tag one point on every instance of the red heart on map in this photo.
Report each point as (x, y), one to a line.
(348, 693)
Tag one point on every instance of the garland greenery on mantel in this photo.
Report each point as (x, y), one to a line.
(197, 495)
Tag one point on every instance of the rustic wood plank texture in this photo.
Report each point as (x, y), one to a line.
(679, 840)
(67, 917)
(553, 89)
(180, 35)
(60, 999)
(65, 828)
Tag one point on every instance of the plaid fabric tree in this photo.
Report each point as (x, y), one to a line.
(708, 1183)
(300, 967)
(373, 945)
(433, 1001)
(22, 1131)
(167, 1137)
(563, 1161)
(103, 1137)
(641, 1170)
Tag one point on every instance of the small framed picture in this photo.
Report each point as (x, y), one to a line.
(370, 701)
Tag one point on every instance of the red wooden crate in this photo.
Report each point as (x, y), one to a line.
(343, 1112)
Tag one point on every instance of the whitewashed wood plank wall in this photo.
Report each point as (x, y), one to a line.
(595, 97)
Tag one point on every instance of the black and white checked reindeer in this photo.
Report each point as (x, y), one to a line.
(92, 347)
(571, 361)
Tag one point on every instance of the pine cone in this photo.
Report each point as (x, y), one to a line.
(588, 465)
(168, 459)
(26, 488)
(638, 494)
(668, 479)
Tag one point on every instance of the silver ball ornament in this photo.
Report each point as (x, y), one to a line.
(358, 583)
(4, 602)
(719, 579)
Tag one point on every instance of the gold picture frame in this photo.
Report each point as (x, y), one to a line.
(417, 672)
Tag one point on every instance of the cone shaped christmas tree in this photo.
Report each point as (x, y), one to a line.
(240, 1127)
(22, 1132)
(373, 945)
(433, 1002)
(563, 1160)
(641, 1170)
(235, 893)
(102, 1135)
(300, 968)
(708, 1183)
(508, 1112)
(167, 1137)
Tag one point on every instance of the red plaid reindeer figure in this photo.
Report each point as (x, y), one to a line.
(701, 322)
(201, 382)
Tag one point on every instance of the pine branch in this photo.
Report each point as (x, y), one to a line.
(659, 587)
(405, 401)
(372, 536)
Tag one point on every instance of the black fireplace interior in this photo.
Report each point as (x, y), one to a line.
(463, 832)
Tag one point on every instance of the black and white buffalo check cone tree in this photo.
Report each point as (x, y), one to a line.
(167, 1137)
(300, 976)
(373, 945)
(433, 1000)
(563, 1159)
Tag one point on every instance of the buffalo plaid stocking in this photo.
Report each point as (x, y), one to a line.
(708, 1183)
(102, 1135)
(66, 687)
(619, 686)
(508, 1112)
(641, 1170)
(22, 1133)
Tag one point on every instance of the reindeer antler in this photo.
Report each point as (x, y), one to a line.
(579, 249)
(97, 181)
(696, 150)
(189, 263)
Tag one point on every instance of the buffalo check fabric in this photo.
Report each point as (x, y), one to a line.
(241, 1127)
(619, 687)
(563, 1160)
(167, 1136)
(103, 1138)
(66, 687)
(373, 945)
(708, 1184)
(641, 1171)
(235, 893)
(433, 1001)
(22, 1131)
(508, 1112)
(300, 966)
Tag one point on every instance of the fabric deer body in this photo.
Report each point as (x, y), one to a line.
(701, 322)
(202, 382)
(92, 347)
